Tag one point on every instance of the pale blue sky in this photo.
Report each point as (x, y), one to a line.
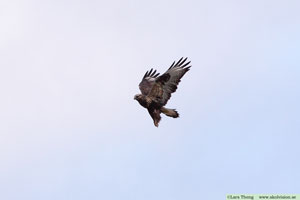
(70, 129)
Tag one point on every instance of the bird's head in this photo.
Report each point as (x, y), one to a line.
(137, 97)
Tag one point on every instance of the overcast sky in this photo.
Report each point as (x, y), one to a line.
(70, 129)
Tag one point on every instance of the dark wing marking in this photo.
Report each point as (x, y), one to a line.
(167, 83)
(148, 81)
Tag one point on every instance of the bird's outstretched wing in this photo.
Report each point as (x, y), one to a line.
(167, 83)
(148, 81)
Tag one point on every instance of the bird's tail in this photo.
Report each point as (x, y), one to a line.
(170, 112)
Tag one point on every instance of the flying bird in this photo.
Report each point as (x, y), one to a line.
(156, 90)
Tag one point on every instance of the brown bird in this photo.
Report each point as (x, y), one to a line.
(156, 90)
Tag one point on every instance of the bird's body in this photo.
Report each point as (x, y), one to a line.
(156, 90)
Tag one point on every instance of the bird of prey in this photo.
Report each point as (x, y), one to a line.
(156, 90)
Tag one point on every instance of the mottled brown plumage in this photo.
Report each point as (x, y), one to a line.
(156, 90)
